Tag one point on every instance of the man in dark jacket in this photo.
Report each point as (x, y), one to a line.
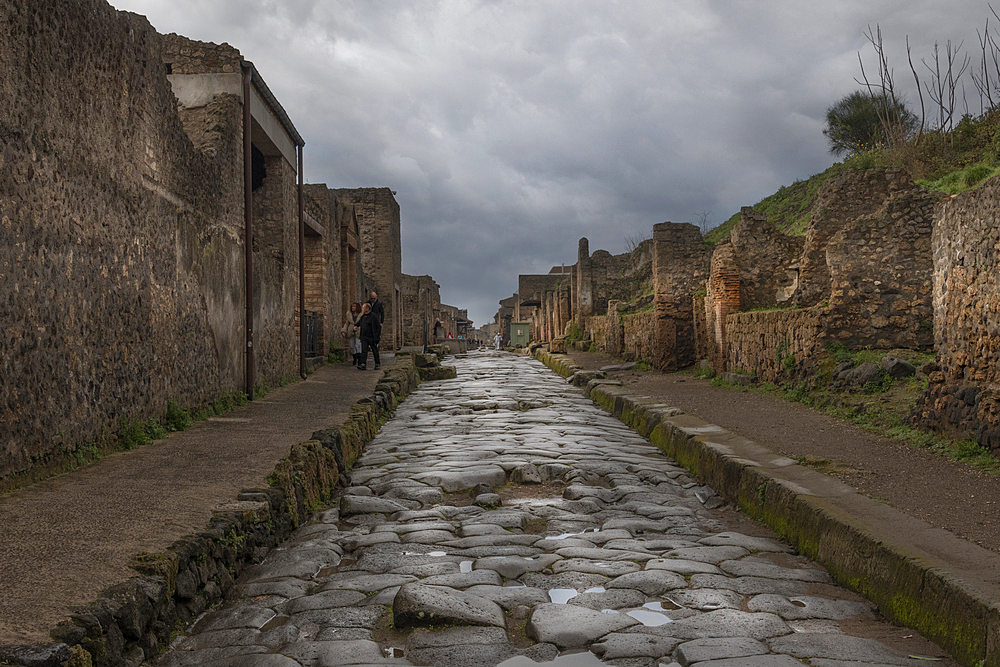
(377, 307)
(370, 333)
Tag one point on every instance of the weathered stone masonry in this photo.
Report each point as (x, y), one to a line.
(964, 390)
(121, 251)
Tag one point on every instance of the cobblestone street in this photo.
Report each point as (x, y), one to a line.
(503, 519)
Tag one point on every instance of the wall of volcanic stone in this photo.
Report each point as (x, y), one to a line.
(963, 394)
(122, 256)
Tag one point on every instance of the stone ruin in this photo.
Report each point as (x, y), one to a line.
(884, 264)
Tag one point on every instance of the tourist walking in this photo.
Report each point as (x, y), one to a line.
(377, 308)
(497, 340)
(350, 332)
(370, 333)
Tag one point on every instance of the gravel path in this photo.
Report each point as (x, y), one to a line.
(579, 544)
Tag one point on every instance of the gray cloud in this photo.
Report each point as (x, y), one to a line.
(510, 129)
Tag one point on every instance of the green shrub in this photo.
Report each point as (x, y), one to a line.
(177, 418)
(131, 433)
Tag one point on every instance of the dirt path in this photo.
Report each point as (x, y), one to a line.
(946, 494)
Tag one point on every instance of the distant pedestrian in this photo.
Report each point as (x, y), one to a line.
(377, 307)
(370, 332)
(438, 330)
(350, 332)
(497, 340)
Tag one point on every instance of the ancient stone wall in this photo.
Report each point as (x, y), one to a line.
(773, 344)
(638, 339)
(847, 196)
(421, 301)
(123, 256)
(618, 277)
(964, 391)
(881, 272)
(381, 253)
(680, 266)
(721, 299)
(767, 259)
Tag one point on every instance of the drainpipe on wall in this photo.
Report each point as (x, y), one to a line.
(302, 276)
(248, 225)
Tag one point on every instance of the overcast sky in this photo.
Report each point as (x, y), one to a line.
(511, 128)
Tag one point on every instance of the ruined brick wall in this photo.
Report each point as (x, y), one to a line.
(774, 344)
(638, 336)
(722, 298)
(275, 273)
(618, 277)
(847, 196)
(964, 391)
(323, 272)
(421, 305)
(188, 56)
(123, 256)
(381, 252)
(881, 272)
(768, 260)
(680, 267)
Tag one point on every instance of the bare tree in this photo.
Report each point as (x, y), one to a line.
(892, 111)
(633, 242)
(704, 221)
(945, 75)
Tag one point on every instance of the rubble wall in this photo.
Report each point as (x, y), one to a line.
(773, 344)
(123, 256)
(881, 272)
(680, 267)
(963, 394)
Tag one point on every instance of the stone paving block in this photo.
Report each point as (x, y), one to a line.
(761, 567)
(420, 605)
(334, 653)
(569, 627)
(631, 645)
(719, 648)
(804, 606)
(842, 647)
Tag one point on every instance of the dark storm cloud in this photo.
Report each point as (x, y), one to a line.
(511, 129)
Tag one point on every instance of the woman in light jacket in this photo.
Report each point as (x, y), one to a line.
(350, 331)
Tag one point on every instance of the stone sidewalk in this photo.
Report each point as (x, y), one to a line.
(64, 540)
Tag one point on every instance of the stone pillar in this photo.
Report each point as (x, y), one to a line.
(723, 298)
(680, 266)
(564, 308)
(547, 304)
(584, 284)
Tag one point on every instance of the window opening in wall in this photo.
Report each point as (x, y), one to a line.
(257, 170)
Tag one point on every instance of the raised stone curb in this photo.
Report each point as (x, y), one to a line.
(131, 622)
(919, 576)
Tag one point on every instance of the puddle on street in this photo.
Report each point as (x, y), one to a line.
(562, 595)
(657, 605)
(392, 652)
(326, 571)
(649, 618)
(798, 603)
(565, 535)
(596, 589)
(465, 567)
(275, 622)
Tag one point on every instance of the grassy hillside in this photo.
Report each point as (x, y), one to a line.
(950, 162)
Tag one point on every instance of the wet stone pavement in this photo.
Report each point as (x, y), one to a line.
(503, 519)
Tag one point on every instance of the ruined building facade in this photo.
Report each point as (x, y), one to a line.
(884, 264)
(122, 209)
